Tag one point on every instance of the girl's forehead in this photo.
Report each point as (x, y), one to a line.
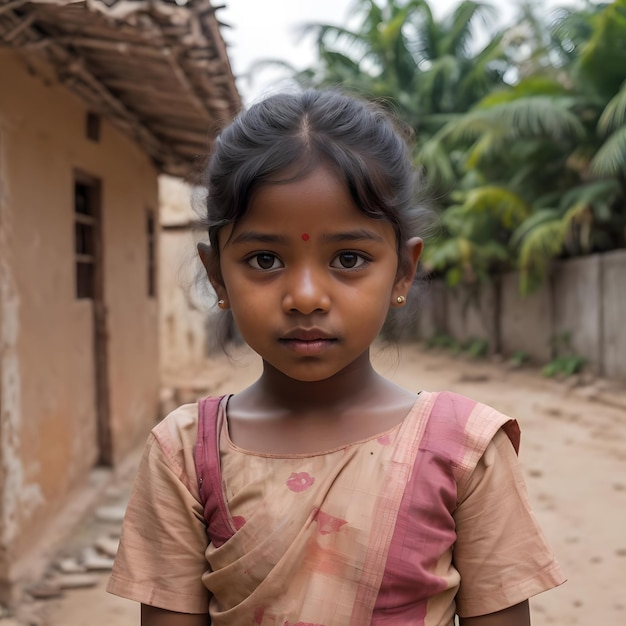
(315, 208)
(318, 200)
(317, 193)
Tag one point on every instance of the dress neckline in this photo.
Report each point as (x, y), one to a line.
(223, 419)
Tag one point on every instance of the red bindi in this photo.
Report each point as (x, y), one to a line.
(305, 237)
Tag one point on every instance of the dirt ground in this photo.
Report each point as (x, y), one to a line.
(573, 454)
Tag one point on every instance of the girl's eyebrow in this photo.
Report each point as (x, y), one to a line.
(353, 235)
(360, 234)
(255, 236)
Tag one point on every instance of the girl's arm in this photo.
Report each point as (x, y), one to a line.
(517, 615)
(151, 616)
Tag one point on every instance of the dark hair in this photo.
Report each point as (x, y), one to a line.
(359, 140)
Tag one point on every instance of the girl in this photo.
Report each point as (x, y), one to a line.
(324, 494)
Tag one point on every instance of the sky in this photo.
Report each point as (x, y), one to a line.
(262, 29)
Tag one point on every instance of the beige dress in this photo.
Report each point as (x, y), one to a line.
(419, 523)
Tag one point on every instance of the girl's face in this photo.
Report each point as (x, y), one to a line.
(309, 278)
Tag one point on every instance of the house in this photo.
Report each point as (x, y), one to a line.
(97, 99)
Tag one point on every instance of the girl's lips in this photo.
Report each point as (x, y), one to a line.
(308, 342)
(309, 347)
(306, 334)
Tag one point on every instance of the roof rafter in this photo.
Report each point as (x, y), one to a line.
(159, 71)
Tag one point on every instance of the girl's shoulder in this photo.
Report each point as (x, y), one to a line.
(177, 433)
(462, 428)
(179, 428)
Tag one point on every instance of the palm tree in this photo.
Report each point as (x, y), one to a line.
(525, 137)
(556, 139)
(400, 52)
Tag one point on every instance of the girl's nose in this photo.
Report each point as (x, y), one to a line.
(306, 293)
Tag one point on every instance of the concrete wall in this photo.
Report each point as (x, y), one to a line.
(614, 314)
(430, 313)
(47, 362)
(577, 297)
(525, 321)
(471, 314)
(584, 298)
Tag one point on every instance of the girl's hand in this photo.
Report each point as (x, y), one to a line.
(517, 615)
(151, 616)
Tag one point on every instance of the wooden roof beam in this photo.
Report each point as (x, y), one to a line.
(20, 27)
(121, 47)
(163, 53)
(74, 66)
(12, 5)
(182, 79)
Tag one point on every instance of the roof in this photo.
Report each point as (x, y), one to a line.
(157, 69)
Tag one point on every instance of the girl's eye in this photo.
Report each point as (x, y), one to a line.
(264, 261)
(348, 261)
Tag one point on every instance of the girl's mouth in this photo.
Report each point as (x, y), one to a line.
(309, 347)
(307, 341)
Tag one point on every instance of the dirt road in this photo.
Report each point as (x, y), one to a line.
(573, 454)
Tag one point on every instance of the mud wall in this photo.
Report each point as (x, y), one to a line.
(186, 298)
(48, 421)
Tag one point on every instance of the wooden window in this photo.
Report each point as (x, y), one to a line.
(86, 223)
(151, 252)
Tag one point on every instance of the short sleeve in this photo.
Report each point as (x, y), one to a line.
(161, 558)
(500, 551)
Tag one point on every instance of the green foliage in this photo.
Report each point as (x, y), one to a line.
(549, 232)
(610, 160)
(567, 362)
(476, 348)
(442, 340)
(519, 358)
(523, 139)
(564, 366)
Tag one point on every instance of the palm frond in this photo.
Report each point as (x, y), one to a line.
(462, 19)
(539, 115)
(436, 160)
(330, 36)
(502, 204)
(538, 248)
(591, 194)
(488, 144)
(536, 220)
(445, 254)
(531, 86)
(614, 114)
(601, 58)
(610, 160)
(479, 77)
(467, 127)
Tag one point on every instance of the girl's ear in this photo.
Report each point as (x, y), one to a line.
(211, 264)
(414, 247)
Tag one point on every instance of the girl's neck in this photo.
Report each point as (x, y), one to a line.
(358, 383)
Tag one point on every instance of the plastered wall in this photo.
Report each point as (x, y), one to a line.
(186, 298)
(47, 363)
